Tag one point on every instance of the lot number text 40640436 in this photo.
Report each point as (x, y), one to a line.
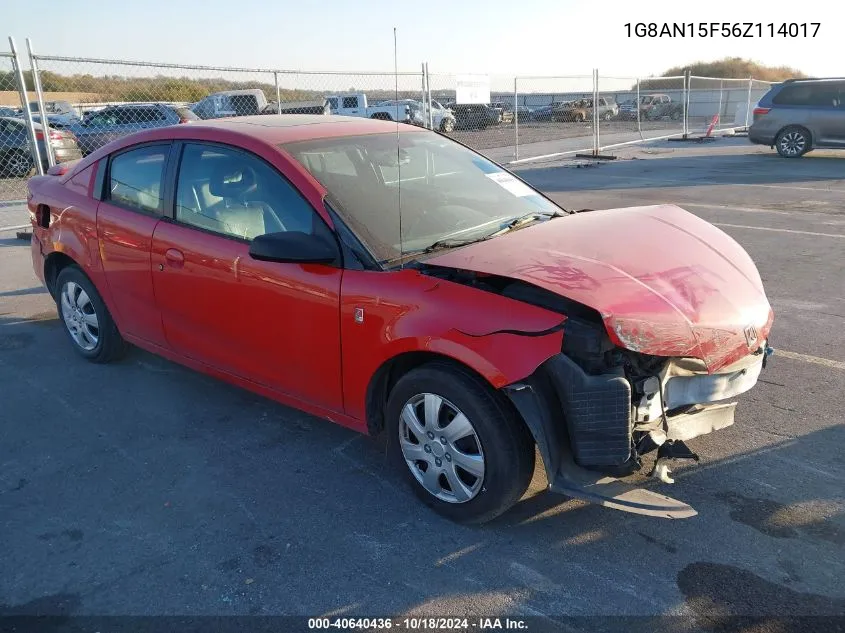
(722, 29)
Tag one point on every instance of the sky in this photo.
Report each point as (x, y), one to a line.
(496, 37)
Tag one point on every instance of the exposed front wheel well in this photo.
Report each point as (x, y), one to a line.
(53, 265)
(388, 375)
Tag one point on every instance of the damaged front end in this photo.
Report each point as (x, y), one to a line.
(599, 405)
(596, 409)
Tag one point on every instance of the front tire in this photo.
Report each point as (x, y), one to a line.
(85, 318)
(793, 142)
(461, 447)
(447, 125)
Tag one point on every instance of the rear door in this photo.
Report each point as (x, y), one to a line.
(132, 204)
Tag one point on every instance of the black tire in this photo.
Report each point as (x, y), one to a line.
(506, 444)
(793, 141)
(110, 344)
(447, 125)
(17, 163)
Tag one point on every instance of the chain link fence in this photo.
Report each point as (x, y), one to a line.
(90, 102)
(15, 148)
(724, 103)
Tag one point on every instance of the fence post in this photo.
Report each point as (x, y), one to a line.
(428, 96)
(597, 145)
(39, 95)
(30, 124)
(515, 119)
(278, 93)
(721, 88)
(685, 100)
(423, 100)
(639, 124)
(748, 104)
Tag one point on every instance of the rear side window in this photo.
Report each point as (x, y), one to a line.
(136, 178)
(827, 94)
(350, 102)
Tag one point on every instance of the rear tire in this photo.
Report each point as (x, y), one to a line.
(430, 444)
(85, 318)
(447, 125)
(793, 142)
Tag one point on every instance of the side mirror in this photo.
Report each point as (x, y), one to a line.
(293, 247)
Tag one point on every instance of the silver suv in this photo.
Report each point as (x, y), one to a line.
(799, 115)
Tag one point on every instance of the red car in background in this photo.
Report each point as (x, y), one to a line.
(479, 322)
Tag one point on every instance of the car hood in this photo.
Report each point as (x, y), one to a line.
(664, 281)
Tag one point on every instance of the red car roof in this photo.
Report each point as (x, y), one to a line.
(267, 129)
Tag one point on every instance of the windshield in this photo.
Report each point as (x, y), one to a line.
(447, 191)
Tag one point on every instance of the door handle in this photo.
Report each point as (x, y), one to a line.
(174, 258)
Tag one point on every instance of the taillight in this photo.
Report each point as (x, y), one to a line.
(54, 135)
(761, 111)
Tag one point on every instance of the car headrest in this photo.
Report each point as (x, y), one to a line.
(231, 180)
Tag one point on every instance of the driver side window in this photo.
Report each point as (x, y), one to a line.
(234, 193)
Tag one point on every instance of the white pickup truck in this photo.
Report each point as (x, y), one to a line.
(356, 105)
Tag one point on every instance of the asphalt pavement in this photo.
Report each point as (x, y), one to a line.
(143, 488)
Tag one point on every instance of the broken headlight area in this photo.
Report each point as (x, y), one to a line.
(618, 405)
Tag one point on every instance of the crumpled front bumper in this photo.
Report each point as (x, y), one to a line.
(585, 425)
(683, 401)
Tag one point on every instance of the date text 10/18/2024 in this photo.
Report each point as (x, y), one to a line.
(722, 29)
(419, 624)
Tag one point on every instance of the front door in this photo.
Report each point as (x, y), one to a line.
(276, 324)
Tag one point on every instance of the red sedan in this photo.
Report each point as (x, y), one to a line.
(396, 282)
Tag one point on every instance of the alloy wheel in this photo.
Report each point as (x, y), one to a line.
(793, 143)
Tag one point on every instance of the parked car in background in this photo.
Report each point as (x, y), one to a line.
(444, 115)
(230, 103)
(357, 105)
(660, 106)
(15, 155)
(800, 115)
(12, 112)
(482, 325)
(581, 110)
(442, 119)
(104, 126)
(545, 113)
(60, 114)
(628, 110)
(520, 113)
(505, 111)
(474, 115)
